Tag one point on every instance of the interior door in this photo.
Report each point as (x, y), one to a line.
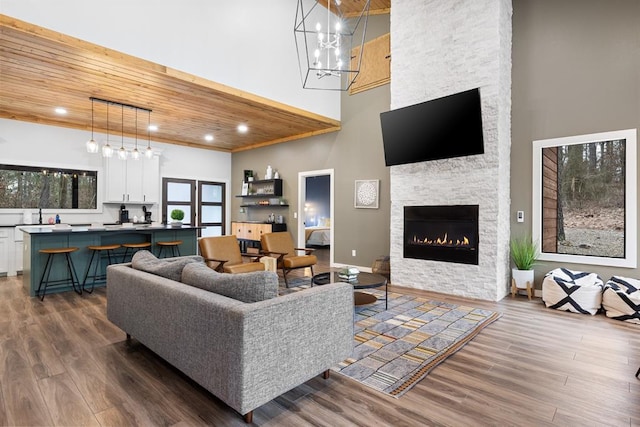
(211, 208)
(314, 209)
(179, 194)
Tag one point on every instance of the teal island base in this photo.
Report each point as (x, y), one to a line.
(43, 238)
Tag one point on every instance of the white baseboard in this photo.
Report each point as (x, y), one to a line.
(364, 269)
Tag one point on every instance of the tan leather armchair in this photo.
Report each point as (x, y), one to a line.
(280, 245)
(222, 253)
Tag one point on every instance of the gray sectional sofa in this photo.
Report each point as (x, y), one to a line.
(245, 353)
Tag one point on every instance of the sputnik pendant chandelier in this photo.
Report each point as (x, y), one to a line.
(325, 40)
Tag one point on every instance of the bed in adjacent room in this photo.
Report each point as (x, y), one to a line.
(317, 236)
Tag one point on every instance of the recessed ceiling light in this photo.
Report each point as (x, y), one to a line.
(243, 128)
(60, 110)
(208, 138)
(153, 128)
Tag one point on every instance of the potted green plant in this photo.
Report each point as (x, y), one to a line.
(177, 215)
(524, 254)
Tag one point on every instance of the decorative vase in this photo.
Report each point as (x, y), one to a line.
(521, 277)
(176, 223)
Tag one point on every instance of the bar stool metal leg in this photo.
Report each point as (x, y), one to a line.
(174, 245)
(72, 273)
(46, 272)
(97, 275)
(133, 248)
(86, 274)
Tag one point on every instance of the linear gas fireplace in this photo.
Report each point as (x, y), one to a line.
(441, 233)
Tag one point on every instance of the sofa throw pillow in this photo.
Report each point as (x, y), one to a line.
(246, 287)
(171, 268)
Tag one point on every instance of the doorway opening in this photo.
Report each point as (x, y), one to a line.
(316, 210)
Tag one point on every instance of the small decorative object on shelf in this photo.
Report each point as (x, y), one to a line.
(276, 175)
(269, 174)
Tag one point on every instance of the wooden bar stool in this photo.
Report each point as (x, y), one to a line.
(97, 249)
(174, 245)
(134, 247)
(44, 280)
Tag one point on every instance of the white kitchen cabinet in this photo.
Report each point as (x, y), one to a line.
(132, 181)
(151, 180)
(4, 251)
(18, 256)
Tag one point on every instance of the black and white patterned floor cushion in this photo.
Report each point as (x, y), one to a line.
(576, 291)
(621, 299)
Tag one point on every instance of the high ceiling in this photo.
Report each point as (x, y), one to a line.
(42, 69)
(354, 7)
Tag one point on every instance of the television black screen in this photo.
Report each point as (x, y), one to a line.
(438, 129)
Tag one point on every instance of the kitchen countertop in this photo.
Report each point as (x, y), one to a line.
(31, 229)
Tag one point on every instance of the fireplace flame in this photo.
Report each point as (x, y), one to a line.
(441, 241)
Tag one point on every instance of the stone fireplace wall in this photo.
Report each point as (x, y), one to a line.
(439, 48)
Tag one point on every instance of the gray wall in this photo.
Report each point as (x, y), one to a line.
(355, 152)
(576, 70)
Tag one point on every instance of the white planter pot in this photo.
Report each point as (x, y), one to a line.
(521, 277)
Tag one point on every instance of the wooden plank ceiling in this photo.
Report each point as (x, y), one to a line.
(351, 8)
(42, 69)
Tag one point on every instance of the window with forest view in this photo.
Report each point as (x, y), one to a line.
(583, 195)
(28, 187)
(587, 197)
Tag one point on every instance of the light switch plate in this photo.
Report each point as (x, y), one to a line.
(520, 216)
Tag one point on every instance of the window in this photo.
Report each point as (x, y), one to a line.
(585, 198)
(28, 187)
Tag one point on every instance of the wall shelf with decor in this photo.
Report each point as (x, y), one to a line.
(258, 205)
(269, 191)
(262, 188)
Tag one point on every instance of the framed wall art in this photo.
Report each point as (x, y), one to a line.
(366, 193)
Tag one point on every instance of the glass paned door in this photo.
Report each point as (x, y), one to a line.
(211, 208)
(179, 194)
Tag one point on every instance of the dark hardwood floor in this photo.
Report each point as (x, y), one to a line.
(63, 363)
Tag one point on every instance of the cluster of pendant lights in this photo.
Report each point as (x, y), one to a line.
(123, 153)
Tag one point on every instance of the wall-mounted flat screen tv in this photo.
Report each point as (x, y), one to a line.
(438, 129)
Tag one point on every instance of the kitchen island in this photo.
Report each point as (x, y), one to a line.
(36, 238)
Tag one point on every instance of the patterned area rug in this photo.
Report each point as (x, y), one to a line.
(396, 348)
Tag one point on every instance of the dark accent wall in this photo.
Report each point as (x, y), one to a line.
(575, 71)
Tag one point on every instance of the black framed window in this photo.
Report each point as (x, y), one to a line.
(30, 187)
